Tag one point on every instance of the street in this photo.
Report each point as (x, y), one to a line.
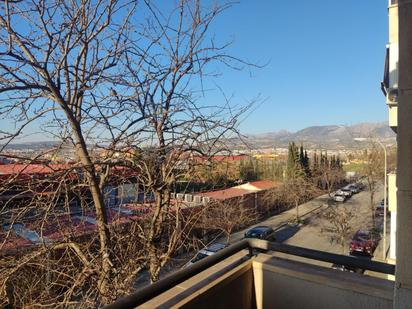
(308, 234)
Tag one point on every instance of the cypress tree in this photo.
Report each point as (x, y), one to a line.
(333, 162)
(339, 163)
(322, 160)
(306, 164)
(291, 161)
(315, 162)
(293, 168)
(301, 157)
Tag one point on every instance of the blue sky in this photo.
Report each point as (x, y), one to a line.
(325, 61)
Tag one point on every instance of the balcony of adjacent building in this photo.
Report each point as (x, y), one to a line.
(391, 70)
(261, 274)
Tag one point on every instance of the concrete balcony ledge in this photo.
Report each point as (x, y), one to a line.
(233, 278)
(270, 282)
(235, 270)
(283, 283)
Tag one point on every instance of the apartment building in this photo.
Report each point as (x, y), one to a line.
(390, 89)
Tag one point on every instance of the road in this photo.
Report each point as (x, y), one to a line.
(311, 234)
(308, 234)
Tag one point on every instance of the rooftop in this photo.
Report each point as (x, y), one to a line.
(12, 169)
(238, 191)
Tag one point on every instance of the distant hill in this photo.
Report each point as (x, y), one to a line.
(35, 146)
(328, 136)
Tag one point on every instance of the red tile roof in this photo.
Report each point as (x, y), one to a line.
(230, 158)
(222, 158)
(237, 191)
(226, 193)
(265, 184)
(12, 169)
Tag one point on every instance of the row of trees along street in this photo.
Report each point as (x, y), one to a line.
(306, 178)
(372, 169)
(121, 82)
(340, 217)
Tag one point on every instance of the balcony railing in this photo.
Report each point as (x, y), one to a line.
(253, 245)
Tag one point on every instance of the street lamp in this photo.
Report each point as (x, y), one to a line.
(384, 193)
(384, 201)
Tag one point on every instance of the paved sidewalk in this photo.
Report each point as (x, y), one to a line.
(280, 220)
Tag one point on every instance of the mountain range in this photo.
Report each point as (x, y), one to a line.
(327, 136)
(314, 137)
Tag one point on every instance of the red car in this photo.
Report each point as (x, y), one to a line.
(364, 242)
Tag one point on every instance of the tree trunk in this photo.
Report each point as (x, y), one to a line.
(228, 236)
(101, 216)
(154, 238)
(297, 211)
(372, 202)
(154, 266)
(371, 187)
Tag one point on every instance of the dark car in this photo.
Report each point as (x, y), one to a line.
(354, 188)
(364, 242)
(261, 232)
(380, 209)
(347, 268)
(341, 267)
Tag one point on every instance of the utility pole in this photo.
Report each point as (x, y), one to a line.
(403, 276)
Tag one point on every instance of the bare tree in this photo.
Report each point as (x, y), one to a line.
(121, 90)
(373, 171)
(227, 216)
(298, 190)
(327, 172)
(55, 60)
(338, 226)
(331, 177)
(162, 67)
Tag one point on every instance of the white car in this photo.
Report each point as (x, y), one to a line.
(344, 192)
(337, 197)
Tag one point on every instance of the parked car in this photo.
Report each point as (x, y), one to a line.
(382, 202)
(345, 192)
(339, 197)
(354, 188)
(380, 209)
(261, 232)
(351, 269)
(360, 186)
(347, 268)
(212, 249)
(364, 242)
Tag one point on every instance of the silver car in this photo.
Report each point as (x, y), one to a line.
(212, 249)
